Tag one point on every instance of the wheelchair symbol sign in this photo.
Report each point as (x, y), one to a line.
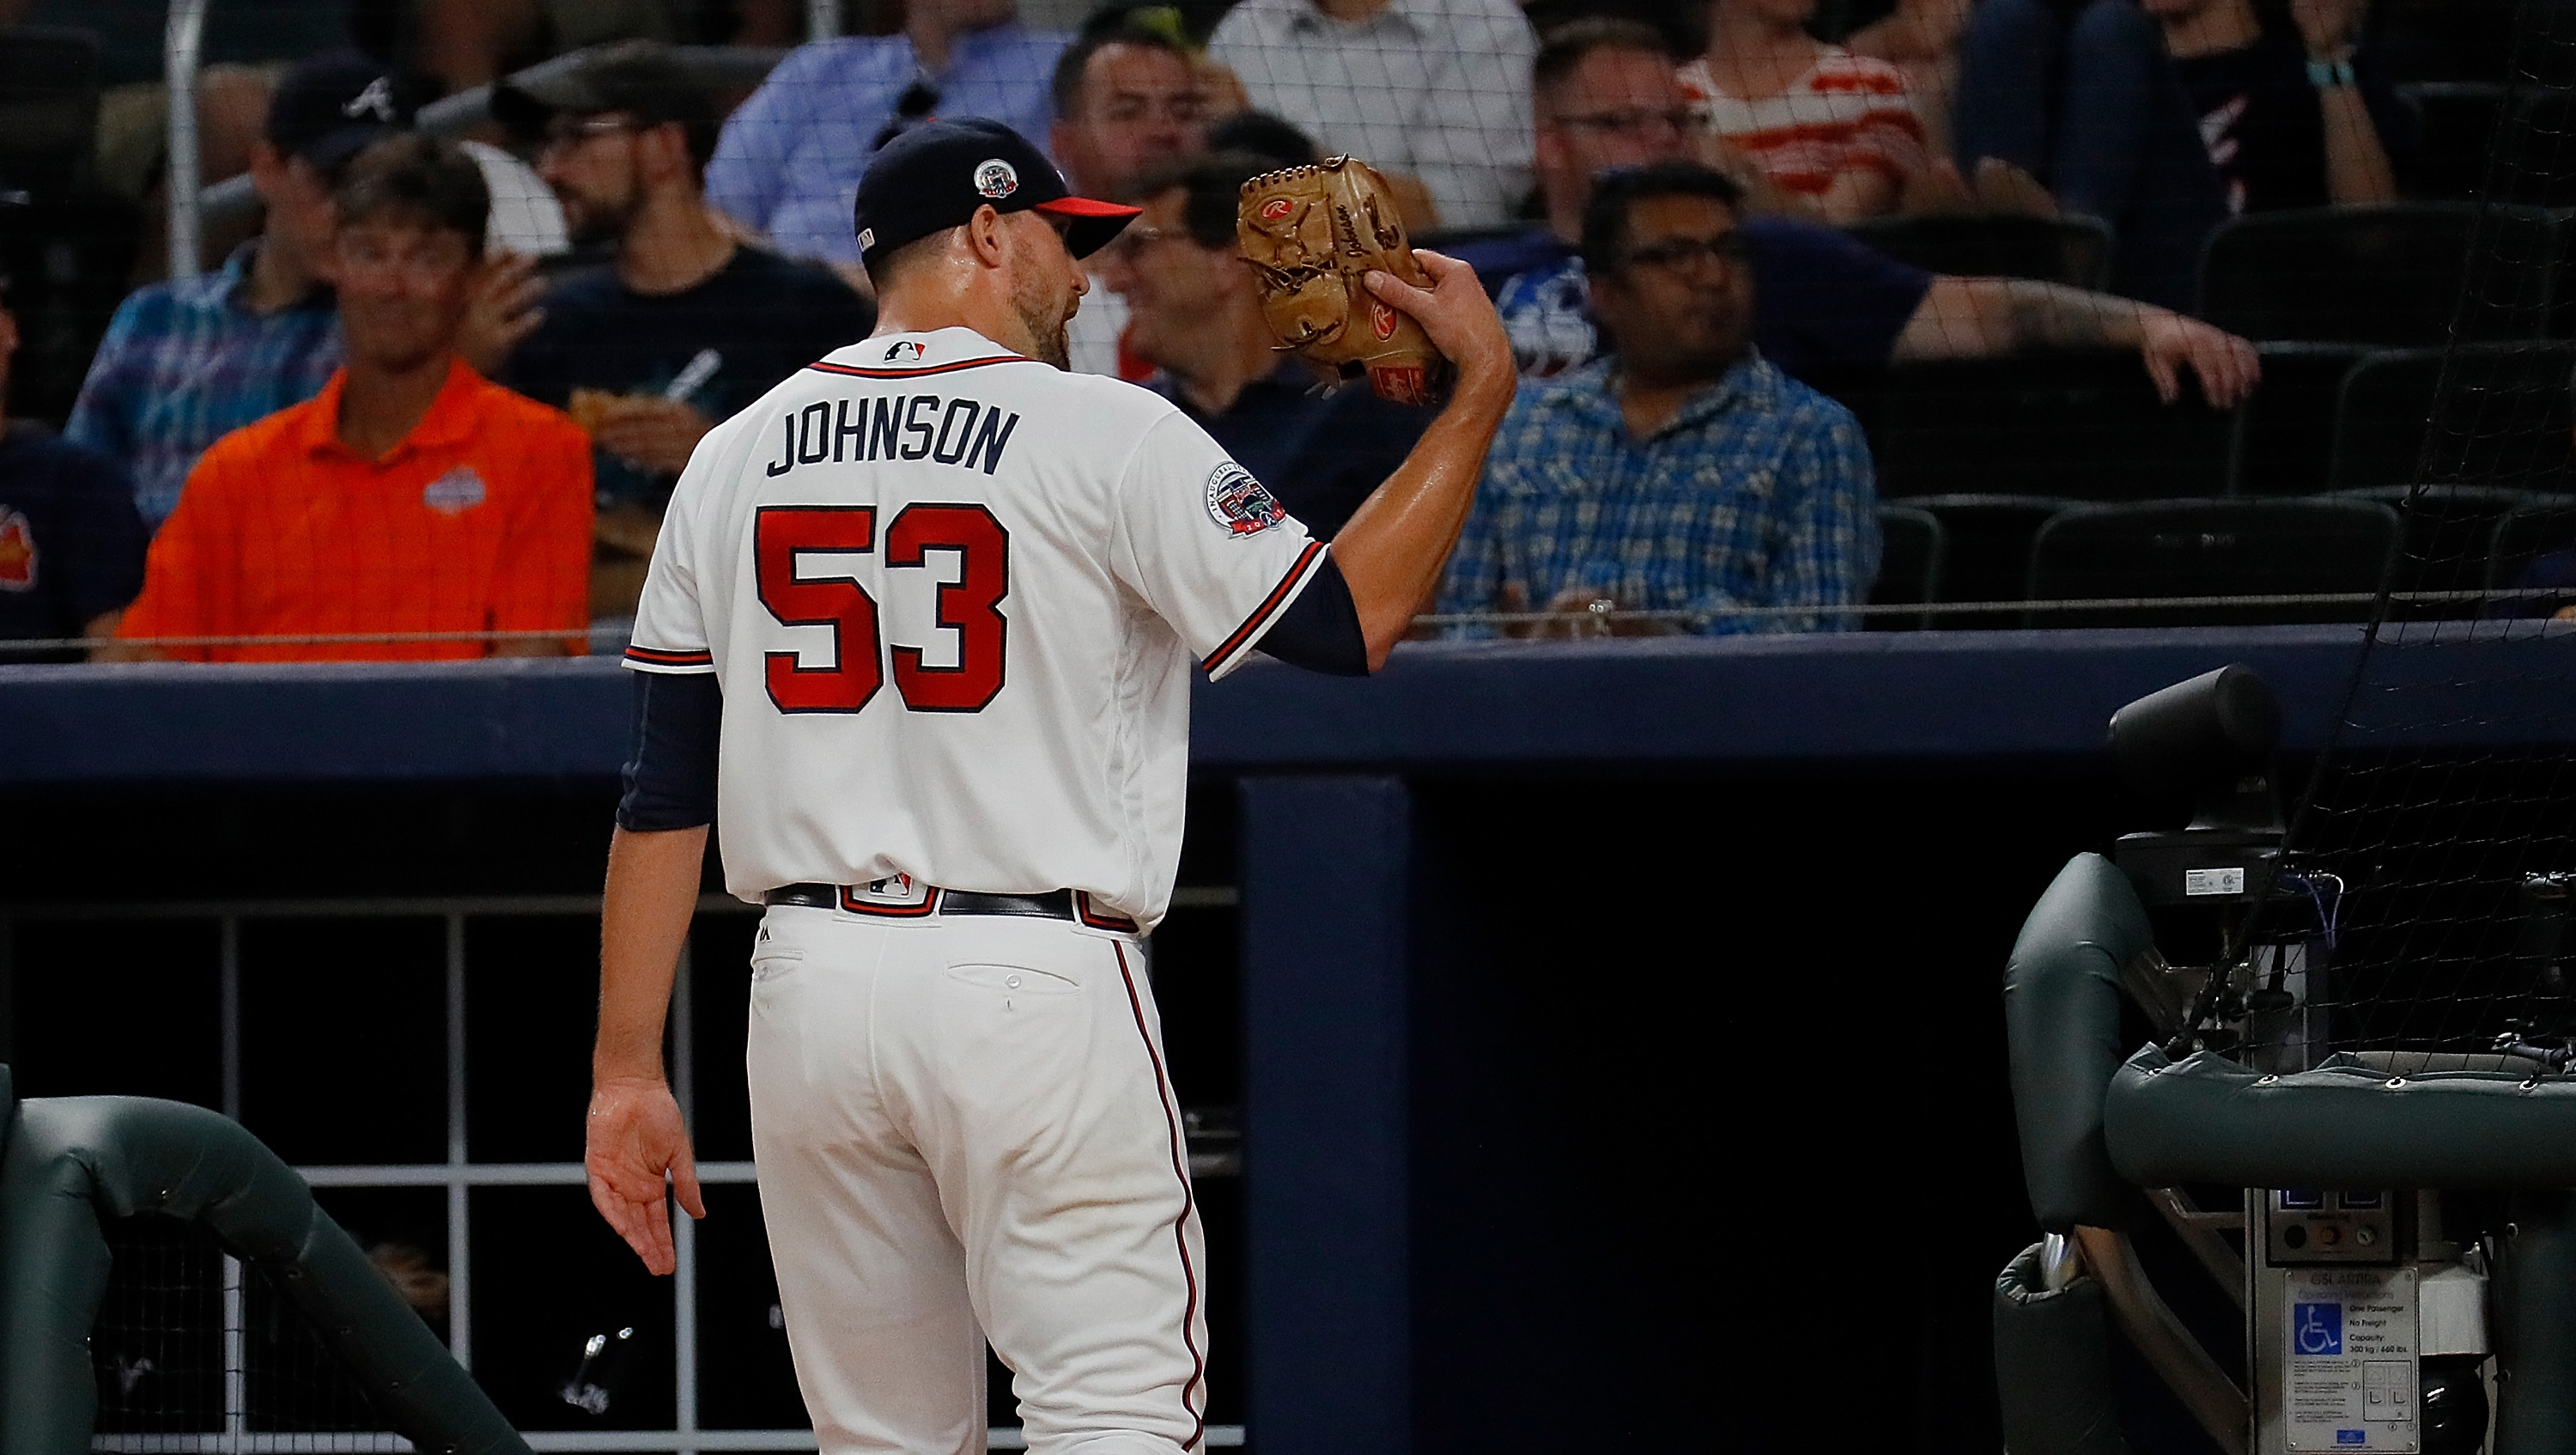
(2316, 1329)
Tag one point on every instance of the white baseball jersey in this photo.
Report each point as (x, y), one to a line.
(953, 595)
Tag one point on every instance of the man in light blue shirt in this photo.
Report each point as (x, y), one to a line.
(789, 162)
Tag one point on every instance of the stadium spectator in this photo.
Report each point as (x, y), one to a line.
(1832, 131)
(788, 165)
(1430, 92)
(1128, 96)
(1920, 38)
(188, 361)
(411, 496)
(1825, 305)
(1196, 313)
(686, 325)
(1683, 472)
(2289, 120)
(71, 544)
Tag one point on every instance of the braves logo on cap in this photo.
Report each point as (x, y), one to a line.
(996, 178)
(1240, 503)
(377, 101)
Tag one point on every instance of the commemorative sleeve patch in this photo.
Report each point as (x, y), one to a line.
(1240, 503)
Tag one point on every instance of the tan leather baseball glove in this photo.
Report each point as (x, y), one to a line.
(1312, 234)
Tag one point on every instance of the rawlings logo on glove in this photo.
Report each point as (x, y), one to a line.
(1312, 235)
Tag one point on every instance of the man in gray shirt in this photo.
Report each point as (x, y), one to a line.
(1435, 91)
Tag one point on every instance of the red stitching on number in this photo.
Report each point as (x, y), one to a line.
(1189, 1199)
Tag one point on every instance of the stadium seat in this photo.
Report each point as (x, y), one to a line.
(2075, 251)
(69, 262)
(2529, 532)
(2187, 548)
(2456, 123)
(48, 108)
(2087, 426)
(1985, 554)
(2445, 534)
(2282, 439)
(2383, 275)
(2502, 418)
(1909, 566)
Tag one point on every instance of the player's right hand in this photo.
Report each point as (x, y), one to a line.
(635, 1136)
(1460, 319)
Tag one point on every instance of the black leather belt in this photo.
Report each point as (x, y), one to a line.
(1054, 904)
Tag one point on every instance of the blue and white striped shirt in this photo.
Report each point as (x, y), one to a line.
(1758, 493)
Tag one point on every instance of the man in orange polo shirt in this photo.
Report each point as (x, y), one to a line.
(411, 498)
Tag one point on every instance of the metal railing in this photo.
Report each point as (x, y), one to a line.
(458, 1175)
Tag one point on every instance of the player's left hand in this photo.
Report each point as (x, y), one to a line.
(635, 1137)
(656, 434)
(501, 310)
(2227, 366)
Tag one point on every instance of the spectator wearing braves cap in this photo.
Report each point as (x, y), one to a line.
(187, 361)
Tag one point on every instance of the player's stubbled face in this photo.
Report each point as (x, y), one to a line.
(403, 288)
(1681, 302)
(1046, 284)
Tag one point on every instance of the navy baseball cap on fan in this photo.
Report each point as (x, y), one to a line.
(934, 177)
(335, 105)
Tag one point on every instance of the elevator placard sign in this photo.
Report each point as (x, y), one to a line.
(2351, 1359)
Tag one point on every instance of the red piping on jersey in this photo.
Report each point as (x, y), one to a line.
(657, 657)
(1189, 1199)
(1278, 597)
(856, 372)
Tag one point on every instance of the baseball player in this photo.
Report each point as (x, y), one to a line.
(917, 637)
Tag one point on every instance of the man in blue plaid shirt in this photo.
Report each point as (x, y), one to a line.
(1682, 473)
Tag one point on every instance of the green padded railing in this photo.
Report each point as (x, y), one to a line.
(70, 1163)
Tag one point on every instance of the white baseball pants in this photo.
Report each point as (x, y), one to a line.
(964, 1131)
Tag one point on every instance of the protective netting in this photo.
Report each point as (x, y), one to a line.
(2430, 884)
(197, 1352)
(1989, 235)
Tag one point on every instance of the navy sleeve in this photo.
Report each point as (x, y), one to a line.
(1320, 631)
(671, 784)
(1824, 300)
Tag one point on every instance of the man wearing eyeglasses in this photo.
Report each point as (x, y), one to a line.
(1607, 97)
(1195, 315)
(1683, 473)
(684, 324)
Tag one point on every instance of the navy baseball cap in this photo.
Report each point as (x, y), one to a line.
(332, 106)
(934, 176)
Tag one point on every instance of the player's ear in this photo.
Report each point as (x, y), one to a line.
(984, 237)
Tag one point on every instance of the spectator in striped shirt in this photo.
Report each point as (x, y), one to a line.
(1683, 473)
(1833, 132)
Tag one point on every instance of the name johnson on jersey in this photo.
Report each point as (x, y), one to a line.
(897, 427)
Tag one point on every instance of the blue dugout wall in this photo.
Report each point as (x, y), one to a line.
(1621, 1055)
